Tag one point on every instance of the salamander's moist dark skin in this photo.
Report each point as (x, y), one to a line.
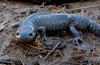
(42, 22)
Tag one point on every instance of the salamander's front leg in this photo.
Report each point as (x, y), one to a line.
(77, 36)
(42, 31)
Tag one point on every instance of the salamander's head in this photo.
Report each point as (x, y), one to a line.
(26, 33)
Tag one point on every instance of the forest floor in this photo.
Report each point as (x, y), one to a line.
(35, 53)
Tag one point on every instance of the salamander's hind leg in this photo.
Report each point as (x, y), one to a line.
(77, 37)
(42, 33)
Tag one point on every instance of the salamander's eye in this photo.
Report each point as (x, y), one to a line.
(30, 34)
(17, 35)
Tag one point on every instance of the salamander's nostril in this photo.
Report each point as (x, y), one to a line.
(30, 34)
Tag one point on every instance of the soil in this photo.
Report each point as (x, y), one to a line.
(36, 53)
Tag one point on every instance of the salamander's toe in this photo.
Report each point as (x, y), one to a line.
(43, 39)
(76, 40)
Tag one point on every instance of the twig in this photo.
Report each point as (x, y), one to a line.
(5, 62)
(94, 49)
(85, 7)
(79, 48)
(52, 63)
(22, 61)
(6, 1)
(82, 12)
(63, 9)
(51, 50)
(43, 4)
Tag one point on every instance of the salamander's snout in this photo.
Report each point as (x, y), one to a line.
(25, 37)
(19, 36)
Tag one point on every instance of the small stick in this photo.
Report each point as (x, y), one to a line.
(63, 9)
(78, 47)
(43, 4)
(82, 12)
(51, 51)
(6, 1)
(85, 7)
(22, 61)
(5, 62)
(94, 49)
(52, 63)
